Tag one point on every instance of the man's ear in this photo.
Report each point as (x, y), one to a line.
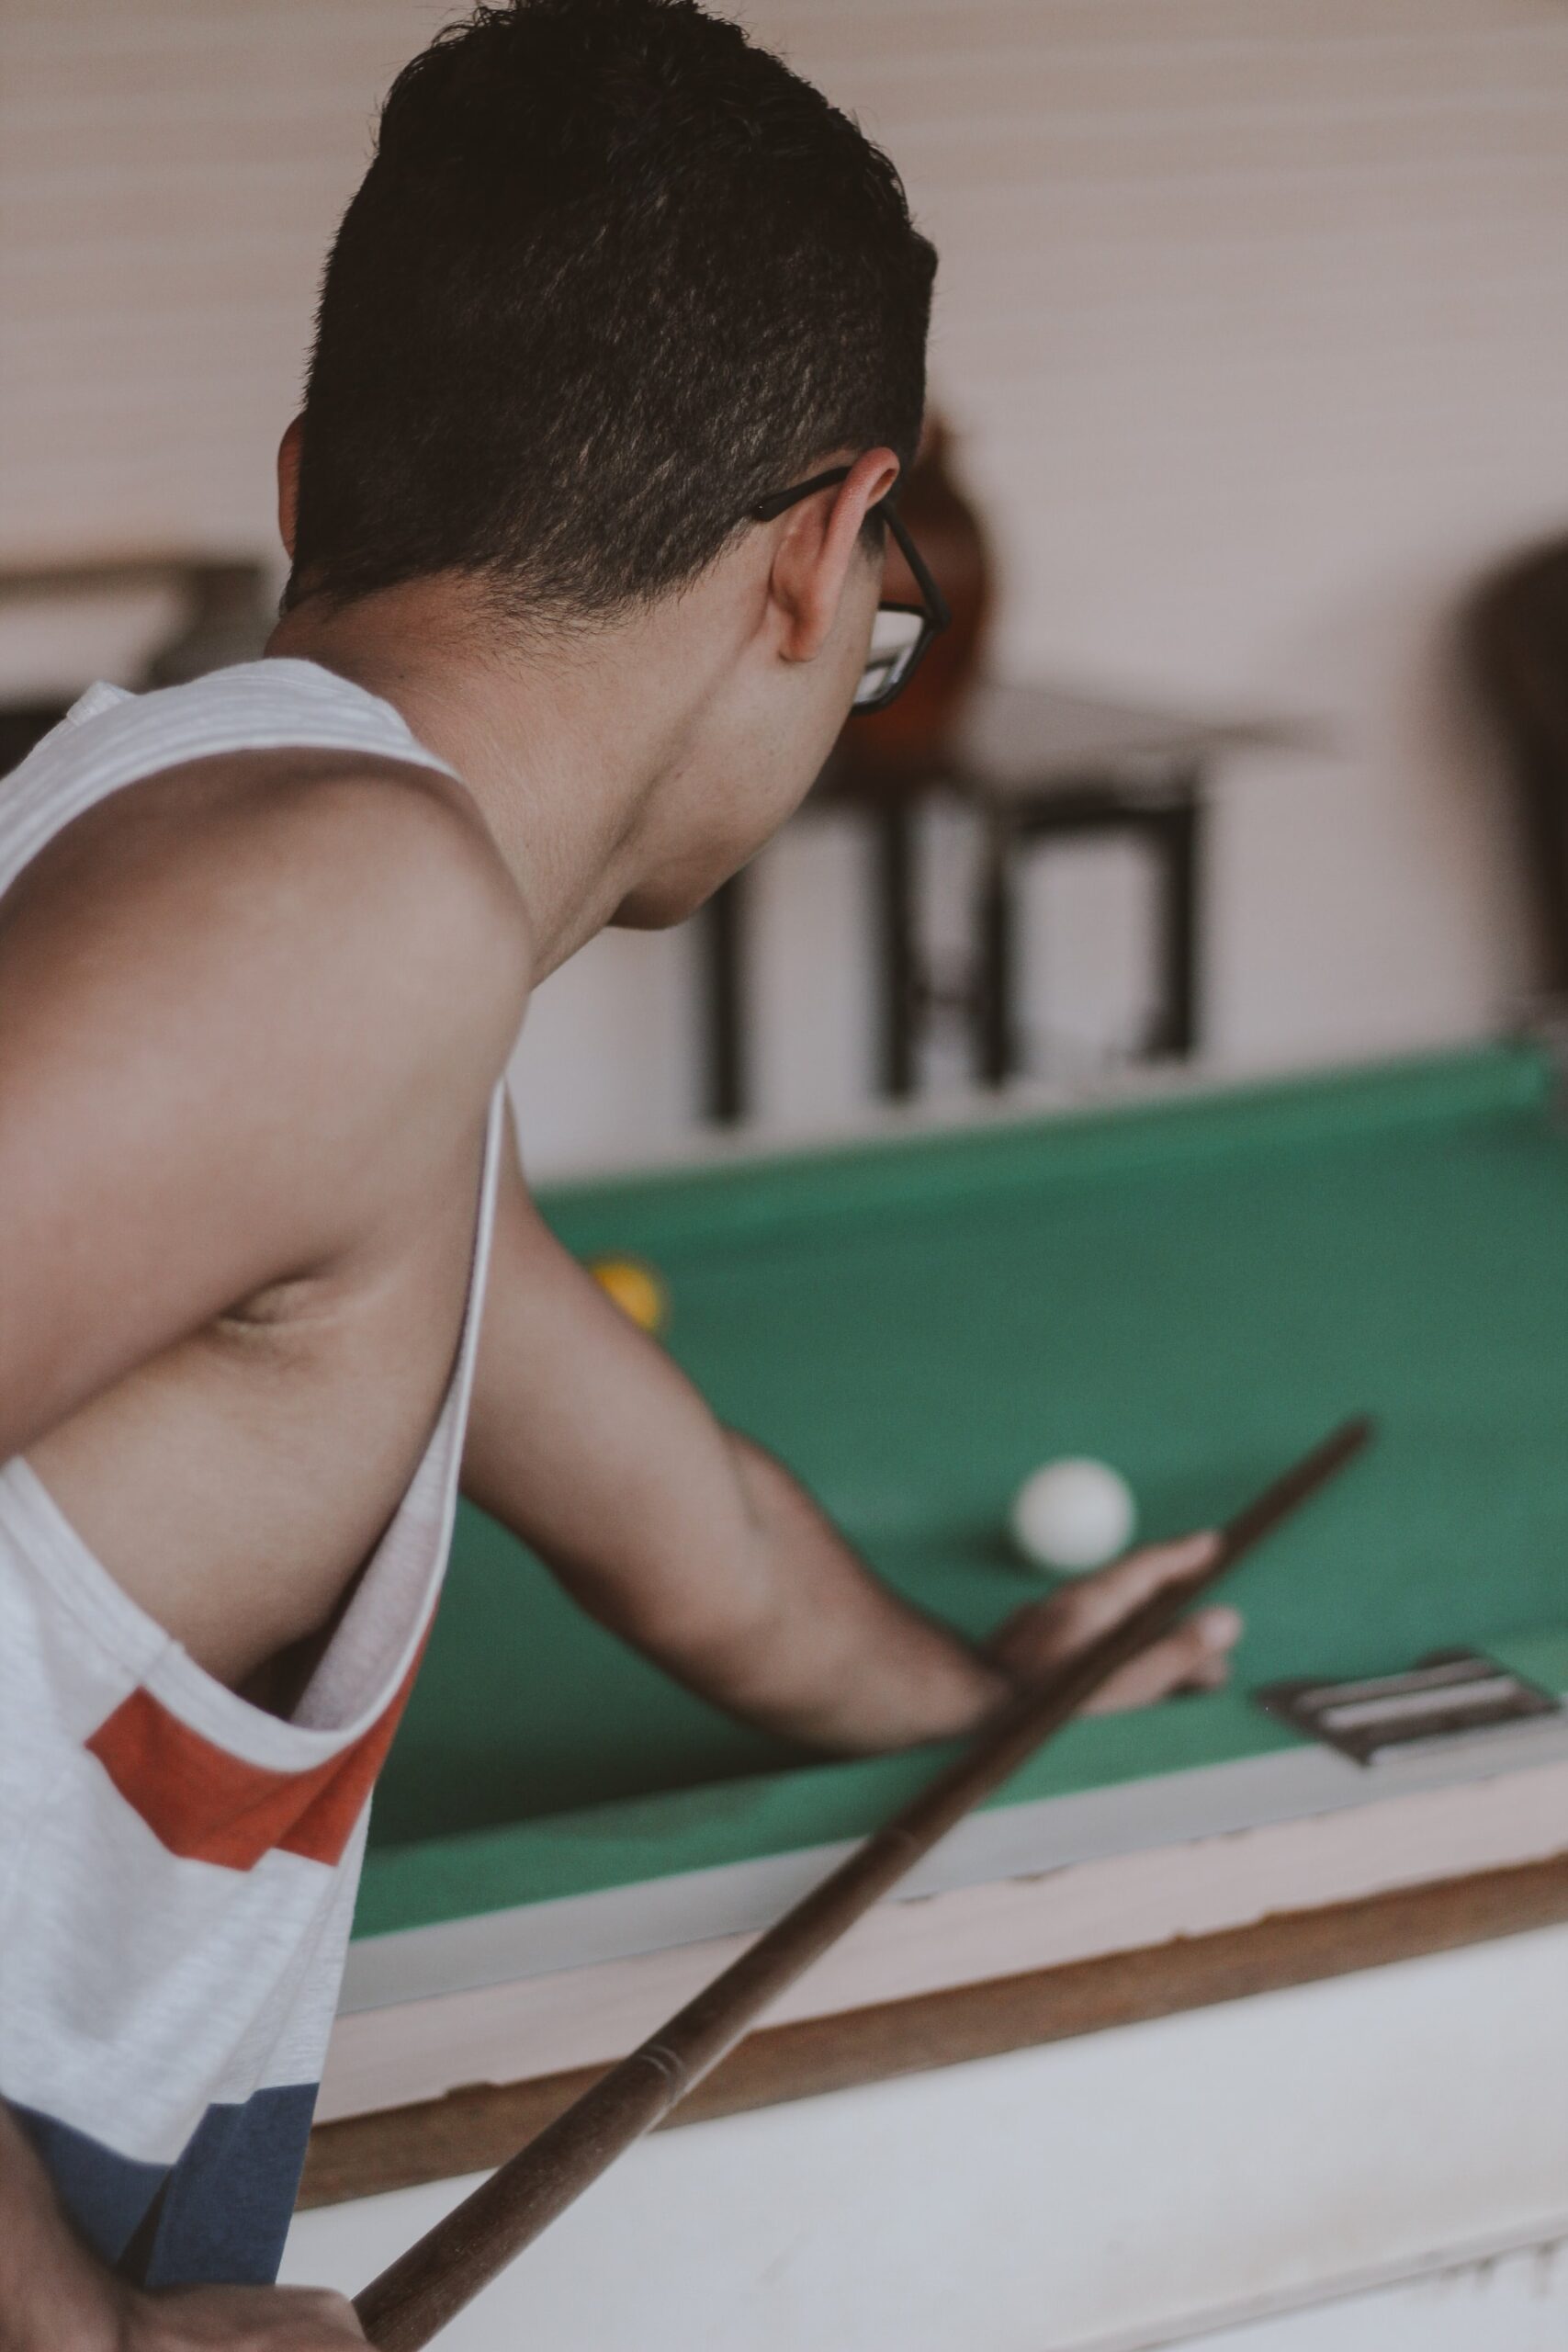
(816, 545)
(288, 450)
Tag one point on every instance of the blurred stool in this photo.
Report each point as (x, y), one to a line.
(1519, 634)
(226, 614)
(1035, 767)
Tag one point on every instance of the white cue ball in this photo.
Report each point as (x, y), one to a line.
(1073, 1516)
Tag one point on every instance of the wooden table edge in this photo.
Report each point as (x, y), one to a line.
(479, 2126)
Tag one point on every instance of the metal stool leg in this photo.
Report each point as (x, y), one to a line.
(995, 1013)
(1175, 1029)
(722, 945)
(895, 850)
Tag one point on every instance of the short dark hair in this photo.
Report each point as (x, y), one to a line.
(615, 274)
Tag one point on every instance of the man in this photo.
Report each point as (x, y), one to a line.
(620, 354)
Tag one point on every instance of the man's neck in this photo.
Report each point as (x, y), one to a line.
(563, 744)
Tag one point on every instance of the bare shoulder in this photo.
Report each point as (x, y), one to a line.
(399, 860)
(287, 982)
(310, 886)
(255, 1010)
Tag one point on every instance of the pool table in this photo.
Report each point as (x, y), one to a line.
(1193, 1284)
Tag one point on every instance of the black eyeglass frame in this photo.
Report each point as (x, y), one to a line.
(933, 610)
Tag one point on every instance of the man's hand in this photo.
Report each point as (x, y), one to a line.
(239, 2319)
(1196, 1657)
(56, 2296)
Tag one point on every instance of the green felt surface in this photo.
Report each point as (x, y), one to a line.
(1193, 1290)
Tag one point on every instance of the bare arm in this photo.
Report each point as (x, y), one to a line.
(697, 1547)
(234, 1022)
(237, 1019)
(55, 2296)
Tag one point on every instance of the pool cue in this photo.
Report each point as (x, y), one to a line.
(416, 2295)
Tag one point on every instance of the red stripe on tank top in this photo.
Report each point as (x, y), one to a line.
(207, 1805)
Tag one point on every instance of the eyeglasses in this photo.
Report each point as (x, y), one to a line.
(900, 633)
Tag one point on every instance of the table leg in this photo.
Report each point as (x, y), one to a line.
(1541, 769)
(995, 1018)
(1174, 1030)
(895, 850)
(722, 944)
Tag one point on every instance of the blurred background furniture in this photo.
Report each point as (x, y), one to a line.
(1034, 765)
(225, 615)
(1518, 636)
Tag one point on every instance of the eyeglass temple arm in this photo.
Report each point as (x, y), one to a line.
(767, 510)
(936, 602)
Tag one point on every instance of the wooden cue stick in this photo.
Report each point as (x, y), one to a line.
(415, 2297)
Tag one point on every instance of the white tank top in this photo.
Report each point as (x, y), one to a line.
(177, 1867)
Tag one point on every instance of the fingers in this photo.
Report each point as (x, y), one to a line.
(1195, 1657)
(337, 2316)
(258, 2319)
(329, 2319)
(313, 2318)
(1041, 1636)
(1095, 1603)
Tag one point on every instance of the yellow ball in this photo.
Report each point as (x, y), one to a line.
(636, 1289)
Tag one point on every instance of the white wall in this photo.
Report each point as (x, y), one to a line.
(1254, 316)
